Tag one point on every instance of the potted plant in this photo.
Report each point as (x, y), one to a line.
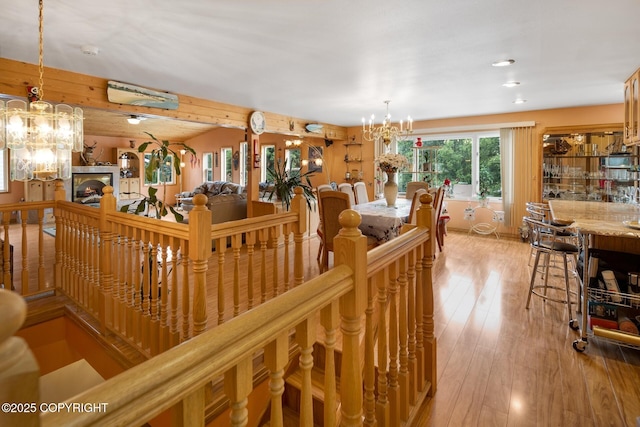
(160, 151)
(284, 181)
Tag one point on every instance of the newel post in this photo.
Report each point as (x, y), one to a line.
(426, 219)
(107, 206)
(19, 372)
(199, 253)
(299, 206)
(350, 248)
(58, 195)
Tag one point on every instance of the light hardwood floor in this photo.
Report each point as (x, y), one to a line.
(500, 364)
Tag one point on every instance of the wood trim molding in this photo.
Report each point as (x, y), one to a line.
(91, 92)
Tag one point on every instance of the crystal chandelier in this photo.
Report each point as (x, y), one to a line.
(42, 136)
(386, 132)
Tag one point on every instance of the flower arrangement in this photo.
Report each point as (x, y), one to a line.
(447, 182)
(392, 162)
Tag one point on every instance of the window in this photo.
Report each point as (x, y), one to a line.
(207, 167)
(268, 159)
(292, 157)
(163, 174)
(226, 164)
(472, 159)
(244, 177)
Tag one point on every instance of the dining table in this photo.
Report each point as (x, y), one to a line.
(381, 221)
(590, 218)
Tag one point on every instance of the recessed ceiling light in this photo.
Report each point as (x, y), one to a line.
(519, 101)
(503, 63)
(511, 84)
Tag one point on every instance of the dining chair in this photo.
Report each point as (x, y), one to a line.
(415, 204)
(546, 243)
(347, 188)
(319, 189)
(332, 203)
(361, 192)
(437, 205)
(412, 186)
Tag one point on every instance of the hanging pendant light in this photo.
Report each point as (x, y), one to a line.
(41, 136)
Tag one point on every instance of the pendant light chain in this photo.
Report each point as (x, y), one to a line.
(41, 52)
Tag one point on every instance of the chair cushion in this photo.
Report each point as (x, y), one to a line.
(556, 246)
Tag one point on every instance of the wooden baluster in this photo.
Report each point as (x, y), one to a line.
(58, 195)
(276, 357)
(199, 252)
(251, 242)
(186, 264)
(403, 376)
(41, 269)
(351, 249)
(138, 260)
(24, 286)
(107, 205)
(131, 290)
(263, 237)
(369, 358)
(394, 390)
(411, 321)
(145, 289)
(286, 268)
(221, 248)
(305, 337)
(236, 245)
(238, 382)
(420, 377)
(382, 404)
(163, 299)
(190, 411)
(19, 373)
(274, 232)
(173, 320)
(7, 280)
(299, 206)
(425, 219)
(330, 319)
(154, 323)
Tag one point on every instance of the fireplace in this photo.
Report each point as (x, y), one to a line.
(87, 183)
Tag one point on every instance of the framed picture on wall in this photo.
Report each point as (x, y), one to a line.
(315, 159)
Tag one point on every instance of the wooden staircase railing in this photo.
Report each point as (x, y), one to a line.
(338, 303)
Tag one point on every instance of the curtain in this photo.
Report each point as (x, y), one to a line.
(519, 152)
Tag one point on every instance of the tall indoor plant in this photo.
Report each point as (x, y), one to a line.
(284, 181)
(159, 153)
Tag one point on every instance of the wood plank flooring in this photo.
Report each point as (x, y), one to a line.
(500, 364)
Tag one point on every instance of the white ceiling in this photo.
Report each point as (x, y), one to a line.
(337, 61)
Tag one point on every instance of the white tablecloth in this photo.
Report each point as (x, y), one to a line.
(381, 221)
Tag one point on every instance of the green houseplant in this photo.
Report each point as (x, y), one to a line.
(285, 180)
(161, 150)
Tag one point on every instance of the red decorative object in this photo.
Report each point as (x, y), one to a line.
(419, 142)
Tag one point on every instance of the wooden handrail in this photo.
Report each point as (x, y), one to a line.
(169, 377)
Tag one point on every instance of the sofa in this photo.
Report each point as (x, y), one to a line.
(227, 201)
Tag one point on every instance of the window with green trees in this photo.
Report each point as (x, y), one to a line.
(472, 158)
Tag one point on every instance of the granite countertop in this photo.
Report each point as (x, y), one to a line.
(605, 219)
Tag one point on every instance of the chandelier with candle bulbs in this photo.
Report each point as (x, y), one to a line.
(386, 132)
(41, 136)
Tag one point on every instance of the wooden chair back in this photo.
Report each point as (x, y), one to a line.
(331, 204)
(415, 204)
(412, 186)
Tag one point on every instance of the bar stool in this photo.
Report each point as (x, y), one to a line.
(544, 241)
